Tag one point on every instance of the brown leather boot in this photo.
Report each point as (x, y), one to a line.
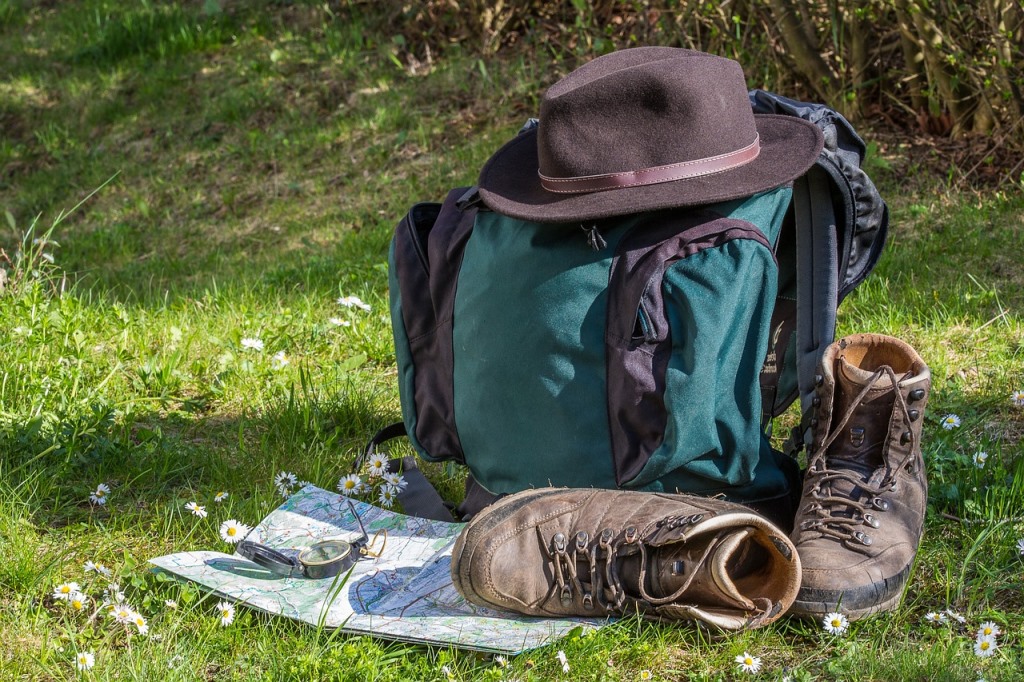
(862, 511)
(593, 553)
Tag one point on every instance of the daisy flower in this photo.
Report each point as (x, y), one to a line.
(950, 422)
(196, 509)
(123, 613)
(563, 660)
(140, 624)
(935, 617)
(92, 567)
(836, 623)
(338, 322)
(232, 531)
(985, 646)
(99, 496)
(353, 302)
(284, 482)
(85, 660)
(395, 480)
(646, 675)
(78, 601)
(955, 616)
(65, 590)
(980, 458)
(446, 670)
(171, 604)
(387, 498)
(280, 360)
(350, 485)
(1017, 398)
(1020, 546)
(227, 613)
(220, 497)
(749, 664)
(377, 465)
(988, 629)
(501, 661)
(252, 343)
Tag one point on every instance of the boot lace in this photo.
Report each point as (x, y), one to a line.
(601, 586)
(841, 516)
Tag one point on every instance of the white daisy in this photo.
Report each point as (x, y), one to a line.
(65, 590)
(396, 480)
(99, 496)
(1017, 398)
(123, 613)
(171, 604)
(955, 616)
(78, 601)
(646, 675)
(252, 343)
(140, 624)
(387, 497)
(446, 670)
(353, 302)
(85, 660)
(989, 629)
(196, 509)
(280, 360)
(950, 421)
(1020, 546)
(232, 531)
(92, 567)
(350, 485)
(985, 646)
(980, 458)
(563, 660)
(227, 613)
(220, 497)
(836, 623)
(935, 617)
(501, 661)
(338, 322)
(285, 479)
(749, 664)
(377, 465)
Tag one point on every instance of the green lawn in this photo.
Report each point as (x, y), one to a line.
(240, 170)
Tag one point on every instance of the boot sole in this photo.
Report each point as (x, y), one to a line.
(857, 603)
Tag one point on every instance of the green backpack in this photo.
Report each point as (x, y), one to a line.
(645, 352)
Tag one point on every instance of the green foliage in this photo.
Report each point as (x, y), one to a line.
(264, 155)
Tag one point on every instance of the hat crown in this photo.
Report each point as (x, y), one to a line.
(643, 108)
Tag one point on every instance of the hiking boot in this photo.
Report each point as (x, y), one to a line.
(593, 553)
(864, 496)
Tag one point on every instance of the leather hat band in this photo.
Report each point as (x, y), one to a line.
(653, 176)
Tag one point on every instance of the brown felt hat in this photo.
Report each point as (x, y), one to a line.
(643, 129)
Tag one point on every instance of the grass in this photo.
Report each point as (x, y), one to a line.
(252, 164)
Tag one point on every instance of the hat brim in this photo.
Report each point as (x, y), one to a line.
(509, 183)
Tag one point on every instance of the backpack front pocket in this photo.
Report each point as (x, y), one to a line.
(689, 302)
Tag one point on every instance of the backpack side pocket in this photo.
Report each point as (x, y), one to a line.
(423, 270)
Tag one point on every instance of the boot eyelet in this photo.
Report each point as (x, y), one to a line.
(581, 540)
(631, 535)
(818, 380)
(566, 595)
(588, 601)
(862, 538)
(816, 401)
(696, 518)
(880, 504)
(914, 415)
(915, 395)
(871, 521)
(905, 437)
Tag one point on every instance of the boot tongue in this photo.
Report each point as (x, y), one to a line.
(862, 442)
(703, 566)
